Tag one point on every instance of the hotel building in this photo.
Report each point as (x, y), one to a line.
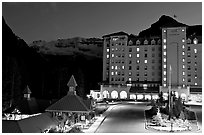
(139, 67)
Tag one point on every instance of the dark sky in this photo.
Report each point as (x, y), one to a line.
(50, 21)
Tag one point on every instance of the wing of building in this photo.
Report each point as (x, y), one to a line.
(135, 65)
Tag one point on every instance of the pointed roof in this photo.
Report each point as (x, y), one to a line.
(69, 103)
(72, 82)
(27, 90)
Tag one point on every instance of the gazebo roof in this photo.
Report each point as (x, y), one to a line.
(72, 82)
(69, 103)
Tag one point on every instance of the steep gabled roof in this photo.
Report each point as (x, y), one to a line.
(27, 90)
(72, 82)
(69, 103)
(31, 106)
(116, 34)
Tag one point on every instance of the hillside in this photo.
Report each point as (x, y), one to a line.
(46, 74)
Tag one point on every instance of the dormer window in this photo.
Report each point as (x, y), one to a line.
(159, 42)
(195, 41)
(138, 42)
(130, 42)
(153, 42)
(145, 42)
(188, 41)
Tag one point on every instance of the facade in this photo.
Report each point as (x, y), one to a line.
(141, 65)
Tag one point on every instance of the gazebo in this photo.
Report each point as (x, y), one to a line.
(71, 109)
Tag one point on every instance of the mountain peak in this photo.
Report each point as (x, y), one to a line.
(164, 21)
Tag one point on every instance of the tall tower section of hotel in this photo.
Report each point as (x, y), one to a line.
(180, 52)
(173, 45)
(114, 52)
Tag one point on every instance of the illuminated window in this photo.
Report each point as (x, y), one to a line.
(164, 46)
(164, 59)
(183, 53)
(130, 79)
(112, 73)
(195, 77)
(183, 85)
(164, 31)
(183, 46)
(130, 73)
(165, 53)
(195, 50)
(107, 50)
(183, 73)
(183, 66)
(138, 55)
(138, 49)
(112, 55)
(195, 41)
(164, 85)
(165, 79)
(138, 61)
(123, 67)
(112, 67)
(164, 72)
(183, 60)
(183, 30)
(183, 40)
(116, 73)
(145, 61)
(164, 65)
(196, 84)
(164, 40)
(116, 67)
(114, 39)
(130, 55)
(183, 79)
(107, 56)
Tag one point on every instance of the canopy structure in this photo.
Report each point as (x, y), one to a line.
(70, 103)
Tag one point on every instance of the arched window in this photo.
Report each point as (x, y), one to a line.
(105, 94)
(183, 96)
(114, 94)
(123, 94)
